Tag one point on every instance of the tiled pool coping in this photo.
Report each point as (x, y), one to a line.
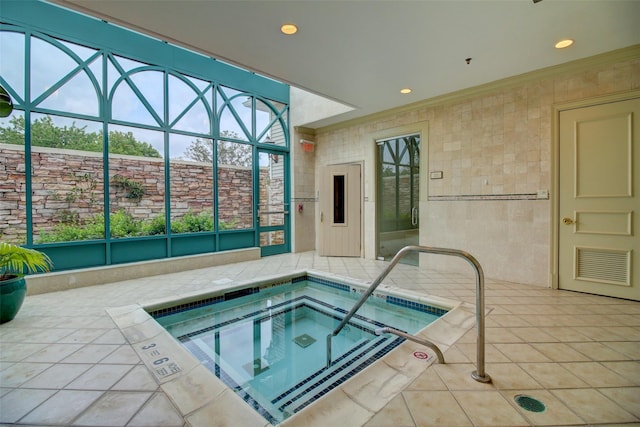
(204, 399)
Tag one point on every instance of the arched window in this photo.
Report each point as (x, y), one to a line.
(120, 152)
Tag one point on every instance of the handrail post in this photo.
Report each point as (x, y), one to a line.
(479, 374)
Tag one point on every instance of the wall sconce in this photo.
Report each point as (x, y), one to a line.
(307, 146)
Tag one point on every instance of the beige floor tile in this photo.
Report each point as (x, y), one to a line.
(403, 360)
(90, 353)
(46, 335)
(395, 414)
(567, 334)
(488, 408)
(454, 355)
(598, 352)
(16, 353)
(630, 348)
(536, 316)
(436, 408)
(509, 320)
(560, 352)
(83, 336)
(137, 379)
(556, 412)
(5, 365)
(596, 375)
(458, 377)
(491, 353)
(53, 353)
(17, 403)
(122, 355)
(114, 336)
(531, 335)
(500, 335)
(552, 375)
(630, 370)
(597, 333)
(628, 332)
(521, 353)
(62, 407)
(157, 412)
(335, 409)
(194, 389)
(19, 373)
(593, 407)
(57, 376)
(100, 377)
(377, 387)
(116, 406)
(506, 376)
(627, 397)
(428, 380)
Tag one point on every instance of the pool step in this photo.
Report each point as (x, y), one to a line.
(346, 366)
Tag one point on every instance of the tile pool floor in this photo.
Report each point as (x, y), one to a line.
(63, 361)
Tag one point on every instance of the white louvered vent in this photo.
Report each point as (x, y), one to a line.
(598, 265)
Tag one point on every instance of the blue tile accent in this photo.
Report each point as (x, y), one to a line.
(255, 290)
(331, 383)
(185, 307)
(320, 382)
(213, 367)
(329, 283)
(416, 305)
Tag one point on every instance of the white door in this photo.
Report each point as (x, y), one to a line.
(598, 200)
(340, 211)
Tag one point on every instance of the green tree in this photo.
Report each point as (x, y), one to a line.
(44, 133)
(13, 134)
(229, 153)
(200, 150)
(125, 143)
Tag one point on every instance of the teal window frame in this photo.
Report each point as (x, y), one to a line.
(56, 24)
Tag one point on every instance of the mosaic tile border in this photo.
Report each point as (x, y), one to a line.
(335, 382)
(472, 197)
(425, 308)
(418, 306)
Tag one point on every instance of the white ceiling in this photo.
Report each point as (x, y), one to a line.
(362, 52)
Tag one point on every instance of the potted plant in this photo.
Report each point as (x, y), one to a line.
(15, 262)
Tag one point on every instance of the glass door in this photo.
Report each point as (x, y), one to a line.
(273, 203)
(398, 195)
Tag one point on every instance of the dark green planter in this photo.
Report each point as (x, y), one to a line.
(12, 293)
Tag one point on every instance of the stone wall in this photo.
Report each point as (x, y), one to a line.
(69, 184)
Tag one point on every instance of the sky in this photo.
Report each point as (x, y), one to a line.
(80, 94)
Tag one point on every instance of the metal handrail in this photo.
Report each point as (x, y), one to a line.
(422, 341)
(479, 374)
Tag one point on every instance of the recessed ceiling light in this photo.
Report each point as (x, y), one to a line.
(405, 90)
(289, 29)
(564, 43)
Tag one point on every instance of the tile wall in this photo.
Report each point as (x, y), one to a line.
(491, 145)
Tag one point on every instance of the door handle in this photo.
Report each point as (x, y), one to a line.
(321, 216)
(414, 216)
(568, 221)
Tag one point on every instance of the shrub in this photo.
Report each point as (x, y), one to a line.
(123, 224)
(192, 223)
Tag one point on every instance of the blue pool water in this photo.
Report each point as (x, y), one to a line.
(269, 343)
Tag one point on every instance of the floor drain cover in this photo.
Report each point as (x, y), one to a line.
(304, 340)
(530, 403)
